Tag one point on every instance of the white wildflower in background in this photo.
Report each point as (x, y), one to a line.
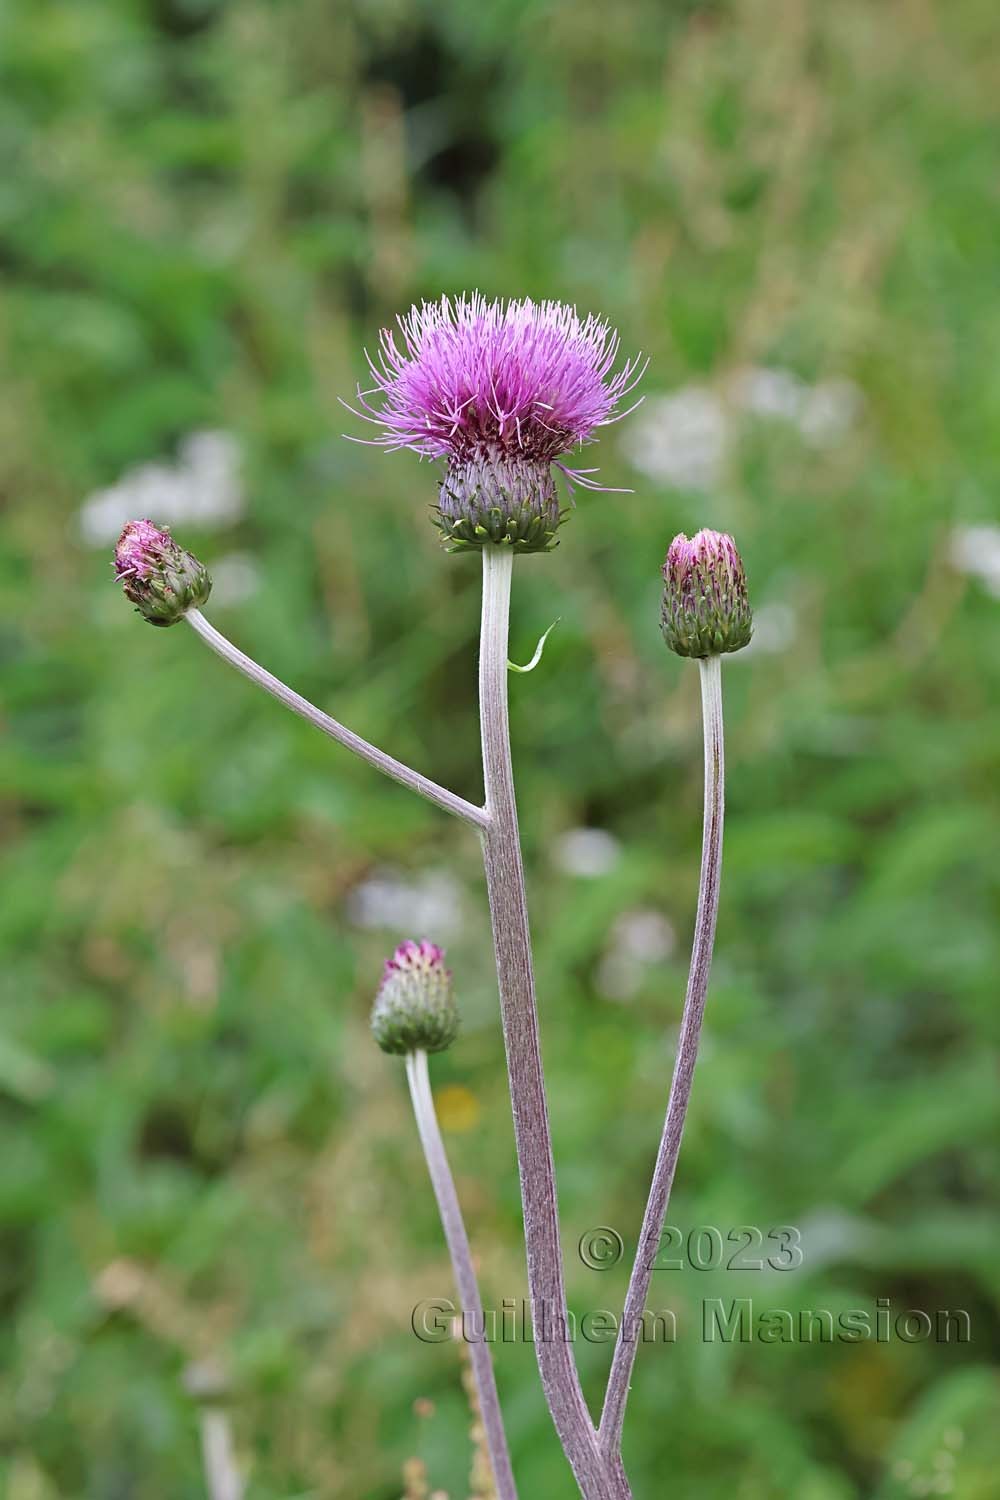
(203, 489)
(821, 413)
(680, 439)
(235, 578)
(767, 393)
(975, 551)
(587, 852)
(389, 899)
(830, 410)
(639, 939)
(683, 439)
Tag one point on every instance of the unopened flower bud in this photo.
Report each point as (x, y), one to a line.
(705, 606)
(161, 579)
(414, 1008)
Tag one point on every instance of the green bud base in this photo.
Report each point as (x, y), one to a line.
(524, 530)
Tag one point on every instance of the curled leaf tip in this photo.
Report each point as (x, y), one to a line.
(533, 663)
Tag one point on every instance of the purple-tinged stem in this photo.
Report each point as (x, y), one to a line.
(336, 731)
(596, 1477)
(613, 1415)
(465, 1276)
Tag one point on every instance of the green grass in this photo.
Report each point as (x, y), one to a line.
(206, 211)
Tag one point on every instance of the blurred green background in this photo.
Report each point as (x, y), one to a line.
(207, 210)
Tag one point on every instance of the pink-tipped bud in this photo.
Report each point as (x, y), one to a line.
(705, 606)
(414, 1008)
(161, 579)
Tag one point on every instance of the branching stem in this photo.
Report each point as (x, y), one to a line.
(336, 731)
(599, 1472)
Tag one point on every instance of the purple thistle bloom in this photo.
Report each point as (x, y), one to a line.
(705, 609)
(500, 390)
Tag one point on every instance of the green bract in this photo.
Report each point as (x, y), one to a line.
(415, 1009)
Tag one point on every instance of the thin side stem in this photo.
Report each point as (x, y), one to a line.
(597, 1479)
(465, 1276)
(336, 731)
(613, 1416)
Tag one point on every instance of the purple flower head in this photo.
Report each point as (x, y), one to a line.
(157, 575)
(414, 1008)
(136, 548)
(500, 390)
(705, 608)
(706, 549)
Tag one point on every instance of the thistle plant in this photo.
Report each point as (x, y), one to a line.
(503, 393)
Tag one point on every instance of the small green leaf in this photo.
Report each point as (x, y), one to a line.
(533, 663)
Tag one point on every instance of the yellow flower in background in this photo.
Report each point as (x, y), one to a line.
(458, 1108)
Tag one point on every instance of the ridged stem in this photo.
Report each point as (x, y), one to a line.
(597, 1479)
(613, 1416)
(465, 1277)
